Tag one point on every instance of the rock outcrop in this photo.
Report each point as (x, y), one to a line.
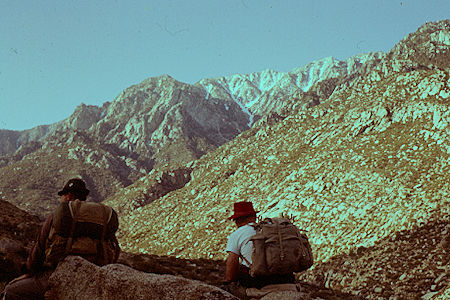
(17, 231)
(76, 278)
(427, 48)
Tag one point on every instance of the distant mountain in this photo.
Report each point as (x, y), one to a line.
(261, 93)
(157, 122)
(255, 95)
(14, 143)
(356, 170)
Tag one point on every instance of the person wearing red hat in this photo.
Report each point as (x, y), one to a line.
(239, 246)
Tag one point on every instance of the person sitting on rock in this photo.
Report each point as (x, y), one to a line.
(239, 246)
(76, 227)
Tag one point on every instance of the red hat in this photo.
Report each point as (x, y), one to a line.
(242, 209)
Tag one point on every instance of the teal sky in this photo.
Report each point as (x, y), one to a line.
(55, 55)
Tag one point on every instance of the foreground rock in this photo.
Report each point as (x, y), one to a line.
(205, 270)
(76, 278)
(212, 272)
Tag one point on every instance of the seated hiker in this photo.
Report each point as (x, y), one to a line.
(77, 227)
(240, 246)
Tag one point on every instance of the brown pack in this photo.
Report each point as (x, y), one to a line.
(279, 248)
(88, 242)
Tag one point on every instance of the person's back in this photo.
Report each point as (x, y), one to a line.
(239, 242)
(240, 246)
(75, 228)
(85, 229)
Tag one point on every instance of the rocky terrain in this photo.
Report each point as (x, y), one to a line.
(76, 278)
(17, 233)
(32, 182)
(357, 152)
(371, 161)
(408, 264)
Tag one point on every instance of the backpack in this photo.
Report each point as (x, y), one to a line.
(279, 248)
(80, 228)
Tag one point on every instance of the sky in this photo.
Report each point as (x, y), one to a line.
(55, 55)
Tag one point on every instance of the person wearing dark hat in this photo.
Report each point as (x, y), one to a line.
(63, 225)
(75, 188)
(240, 248)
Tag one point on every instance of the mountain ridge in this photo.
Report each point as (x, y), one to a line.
(84, 116)
(159, 121)
(369, 162)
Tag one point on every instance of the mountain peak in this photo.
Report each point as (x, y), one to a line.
(427, 47)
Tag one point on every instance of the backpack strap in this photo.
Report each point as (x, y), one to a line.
(74, 211)
(246, 260)
(280, 242)
(101, 251)
(255, 226)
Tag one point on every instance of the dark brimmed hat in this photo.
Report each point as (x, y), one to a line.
(75, 186)
(242, 209)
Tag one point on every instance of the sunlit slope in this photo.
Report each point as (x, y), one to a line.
(372, 160)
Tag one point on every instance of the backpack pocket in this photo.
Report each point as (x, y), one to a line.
(258, 267)
(84, 245)
(283, 256)
(306, 259)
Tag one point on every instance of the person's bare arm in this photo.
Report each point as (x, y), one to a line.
(232, 267)
(24, 276)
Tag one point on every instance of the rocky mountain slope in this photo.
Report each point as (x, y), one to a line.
(32, 182)
(259, 94)
(367, 163)
(17, 233)
(157, 122)
(13, 142)
(412, 263)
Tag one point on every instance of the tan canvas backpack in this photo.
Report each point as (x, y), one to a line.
(279, 247)
(92, 244)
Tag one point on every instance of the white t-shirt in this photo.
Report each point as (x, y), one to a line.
(239, 242)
